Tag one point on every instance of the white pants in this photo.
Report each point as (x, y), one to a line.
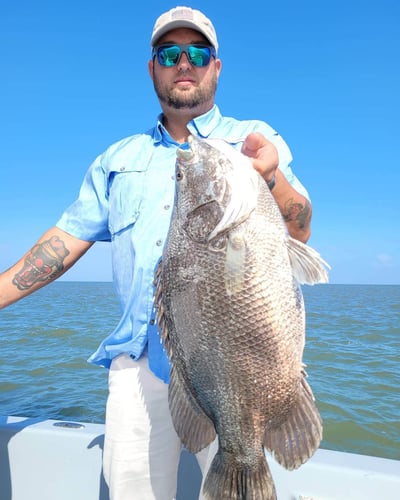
(141, 448)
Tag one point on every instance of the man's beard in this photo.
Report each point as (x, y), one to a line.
(179, 99)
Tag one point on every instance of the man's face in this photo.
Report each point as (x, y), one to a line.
(185, 86)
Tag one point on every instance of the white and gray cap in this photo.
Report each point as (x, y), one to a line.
(184, 17)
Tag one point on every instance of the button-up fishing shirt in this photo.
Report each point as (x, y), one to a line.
(126, 198)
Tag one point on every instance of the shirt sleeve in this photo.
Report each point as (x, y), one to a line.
(87, 217)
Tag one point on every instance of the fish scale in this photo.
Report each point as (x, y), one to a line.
(231, 315)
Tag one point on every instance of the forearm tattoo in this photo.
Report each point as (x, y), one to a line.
(297, 212)
(44, 262)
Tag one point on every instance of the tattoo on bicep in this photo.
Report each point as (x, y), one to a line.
(297, 212)
(43, 263)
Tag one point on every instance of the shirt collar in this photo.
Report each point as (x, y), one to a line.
(201, 126)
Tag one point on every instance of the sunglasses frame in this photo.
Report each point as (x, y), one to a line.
(184, 48)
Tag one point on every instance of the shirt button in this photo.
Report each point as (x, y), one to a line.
(173, 177)
(166, 207)
(159, 243)
(152, 321)
(121, 169)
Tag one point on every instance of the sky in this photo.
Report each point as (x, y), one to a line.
(324, 74)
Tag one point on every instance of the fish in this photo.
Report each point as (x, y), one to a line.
(231, 315)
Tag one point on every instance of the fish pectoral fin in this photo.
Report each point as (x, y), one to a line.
(194, 428)
(235, 263)
(307, 265)
(296, 439)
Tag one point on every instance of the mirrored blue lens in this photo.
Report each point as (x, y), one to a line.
(169, 55)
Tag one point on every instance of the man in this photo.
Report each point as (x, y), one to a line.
(126, 198)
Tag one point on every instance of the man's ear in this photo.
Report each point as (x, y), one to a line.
(150, 66)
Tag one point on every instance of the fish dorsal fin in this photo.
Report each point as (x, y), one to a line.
(307, 265)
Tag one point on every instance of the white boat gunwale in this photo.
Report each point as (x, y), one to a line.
(60, 460)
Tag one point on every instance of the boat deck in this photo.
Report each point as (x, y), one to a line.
(56, 460)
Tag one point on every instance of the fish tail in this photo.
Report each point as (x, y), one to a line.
(296, 440)
(230, 481)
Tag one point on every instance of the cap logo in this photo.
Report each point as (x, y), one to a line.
(182, 14)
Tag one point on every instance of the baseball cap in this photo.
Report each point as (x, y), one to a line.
(184, 17)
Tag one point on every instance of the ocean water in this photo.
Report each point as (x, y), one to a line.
(352, 355)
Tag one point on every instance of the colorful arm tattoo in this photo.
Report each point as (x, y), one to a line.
(43, 263)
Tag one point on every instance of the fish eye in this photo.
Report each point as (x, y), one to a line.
(179, 175)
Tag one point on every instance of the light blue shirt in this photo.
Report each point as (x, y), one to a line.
(126, 198)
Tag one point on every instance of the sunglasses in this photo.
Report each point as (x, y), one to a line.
(170, 54)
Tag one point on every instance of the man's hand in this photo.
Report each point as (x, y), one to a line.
(295, 208)
(263, 154)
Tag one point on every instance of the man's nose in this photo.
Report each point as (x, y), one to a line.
(184, 61)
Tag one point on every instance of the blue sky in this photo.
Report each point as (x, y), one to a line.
(326, 75)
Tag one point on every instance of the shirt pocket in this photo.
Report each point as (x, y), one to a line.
(126, 192)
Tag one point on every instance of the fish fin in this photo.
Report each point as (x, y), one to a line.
(243, 201)
(237, 482)
(235, 263)
(159, 307)
(307, 265)
(297, 439)
(193, 426)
